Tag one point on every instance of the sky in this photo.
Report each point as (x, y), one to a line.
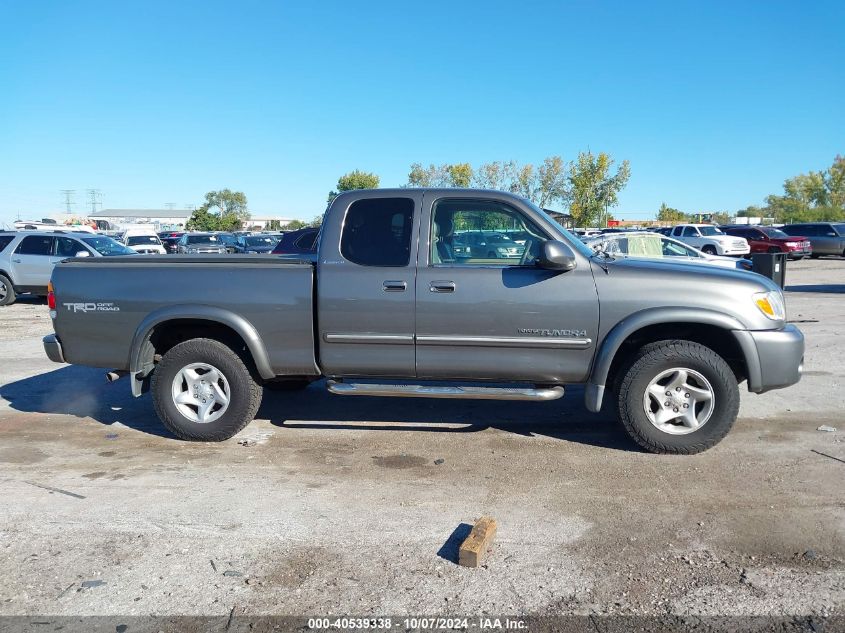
(714, 103)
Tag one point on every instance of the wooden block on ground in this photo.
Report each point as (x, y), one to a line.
(475, 546)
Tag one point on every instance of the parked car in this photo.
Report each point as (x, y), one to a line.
(826, 238)
(768, 239)
(253, 244)
(230, 241)
(710, 239)
(663, 230)
(299, 242)
(649, 245)
(170, 240)
(145, 244)
(485, 245)
(201, 243)
(669, 342)
(27, 258)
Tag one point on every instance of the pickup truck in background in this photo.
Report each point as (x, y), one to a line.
(710, 239)
(389, 308)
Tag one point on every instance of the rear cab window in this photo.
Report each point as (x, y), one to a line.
(377, 232)
(35, 245)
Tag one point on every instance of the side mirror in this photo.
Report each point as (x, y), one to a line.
(555, 255)
(83, 254)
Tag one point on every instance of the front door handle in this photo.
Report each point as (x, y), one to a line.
(442, 286)
(17, 261)
(394, 286)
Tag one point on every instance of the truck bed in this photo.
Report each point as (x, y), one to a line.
(100, 300)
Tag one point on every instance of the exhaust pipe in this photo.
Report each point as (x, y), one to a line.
(117, 374)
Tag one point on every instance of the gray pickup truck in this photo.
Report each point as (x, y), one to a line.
(393, 305)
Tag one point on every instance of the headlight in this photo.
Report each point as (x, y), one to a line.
(771, 304)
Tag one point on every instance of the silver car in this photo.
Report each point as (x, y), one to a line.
(27, 258)
(652, 245)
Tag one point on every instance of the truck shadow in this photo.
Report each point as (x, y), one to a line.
(83, 392)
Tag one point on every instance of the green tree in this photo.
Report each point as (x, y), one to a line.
(223, 210)
(594, 189)
(293, 225)
(835, 183)
(669, 214)
(355, 180)
(317, 221)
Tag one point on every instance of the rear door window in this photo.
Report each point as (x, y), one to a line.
(4, 241)
(36, 245)
(377, 232)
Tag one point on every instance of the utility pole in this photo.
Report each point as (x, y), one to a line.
(94, 196)
(170, 205)
(69, 202)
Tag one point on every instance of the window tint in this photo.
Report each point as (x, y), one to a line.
(66, 247)
(482, 232)
(36, 245)
(377, 232)
(306, 241)
(4, 241)
(690, 231)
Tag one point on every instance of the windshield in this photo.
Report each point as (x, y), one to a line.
(137, 240)
(260, 240)
(202, 239)
(107, 247)
(710, 230)
(776, 233)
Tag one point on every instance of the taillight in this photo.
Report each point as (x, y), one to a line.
(51, 297)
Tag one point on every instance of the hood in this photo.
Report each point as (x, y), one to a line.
(630, 285)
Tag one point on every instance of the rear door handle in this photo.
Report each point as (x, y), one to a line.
(442, 286)
(394, 286)
(17, 261)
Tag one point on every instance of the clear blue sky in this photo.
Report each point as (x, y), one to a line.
(714, 103)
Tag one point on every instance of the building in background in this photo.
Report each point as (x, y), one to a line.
(163, 219)
(267, 222)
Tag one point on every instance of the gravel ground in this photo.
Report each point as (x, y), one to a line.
(343, 507)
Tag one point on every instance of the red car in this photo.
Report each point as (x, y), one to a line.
(767, 239)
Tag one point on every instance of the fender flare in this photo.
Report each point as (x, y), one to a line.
(139, 366)
(606, 352)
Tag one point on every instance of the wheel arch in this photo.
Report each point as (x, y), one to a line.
(721, 332)
(168, 326)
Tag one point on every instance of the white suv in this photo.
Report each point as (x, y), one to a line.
(27, 258)
(710, 239)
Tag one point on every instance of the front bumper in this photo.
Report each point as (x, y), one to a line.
(53, 348)
(775, 358)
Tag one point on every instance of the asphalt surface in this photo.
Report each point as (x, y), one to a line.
(354, 506)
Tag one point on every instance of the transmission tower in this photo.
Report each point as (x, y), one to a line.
(69, 202)
(94, 197)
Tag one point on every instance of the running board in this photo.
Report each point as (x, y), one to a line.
(426, 391)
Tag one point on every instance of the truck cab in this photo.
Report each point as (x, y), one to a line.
(710, 239)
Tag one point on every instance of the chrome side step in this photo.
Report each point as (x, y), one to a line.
(427, 391)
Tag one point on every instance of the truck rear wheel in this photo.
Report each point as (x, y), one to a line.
(203, 391)
(7, 291)
(678, 397)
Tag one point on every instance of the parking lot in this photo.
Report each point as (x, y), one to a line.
(329, 506)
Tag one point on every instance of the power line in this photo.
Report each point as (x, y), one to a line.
(94, 197)
(170, 205)
(69, 201)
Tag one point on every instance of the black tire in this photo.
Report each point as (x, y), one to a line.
(650, 362)
(814, 256)
(244, 390)
(709, 249)
(294, 384)
(7, 291)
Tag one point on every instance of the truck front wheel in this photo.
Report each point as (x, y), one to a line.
(678, 397)
(709, 249)
(203, 391)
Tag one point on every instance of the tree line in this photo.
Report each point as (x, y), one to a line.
(586, 188)
(817, 196)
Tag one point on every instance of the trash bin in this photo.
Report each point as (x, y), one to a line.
(771, 265)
